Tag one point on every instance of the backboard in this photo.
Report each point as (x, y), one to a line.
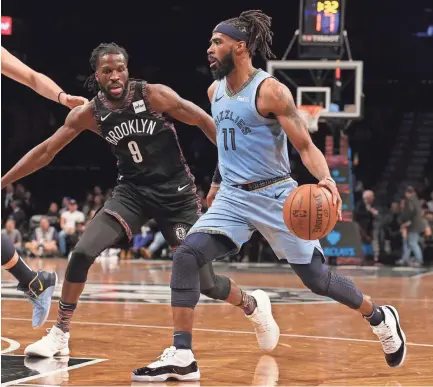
(335, 85)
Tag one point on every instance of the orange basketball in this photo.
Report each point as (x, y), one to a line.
(308, 212)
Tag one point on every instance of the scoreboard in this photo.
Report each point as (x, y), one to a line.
(321, 22)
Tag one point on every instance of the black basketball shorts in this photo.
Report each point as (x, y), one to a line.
(174, 207)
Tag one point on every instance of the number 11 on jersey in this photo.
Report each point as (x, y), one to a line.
(231, 131)
(135, 152)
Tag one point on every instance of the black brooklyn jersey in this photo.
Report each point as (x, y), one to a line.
(144, 141)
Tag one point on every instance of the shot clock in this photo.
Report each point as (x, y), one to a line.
(321, 22)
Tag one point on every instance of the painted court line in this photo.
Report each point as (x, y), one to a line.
(422, 275)
(219, 303)
(13, 345)
(94, 361)
(221, 331)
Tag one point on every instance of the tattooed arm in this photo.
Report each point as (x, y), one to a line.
(164, 99)
(275, 98)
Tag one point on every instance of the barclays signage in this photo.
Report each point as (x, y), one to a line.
(343, 241)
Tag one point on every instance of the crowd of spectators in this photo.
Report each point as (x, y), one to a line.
(399, 234)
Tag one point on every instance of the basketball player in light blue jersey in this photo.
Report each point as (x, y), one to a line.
(255, 115)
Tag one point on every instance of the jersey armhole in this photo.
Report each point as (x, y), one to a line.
(214, 95)
(96, 113)
(271, 116)
(147, 103)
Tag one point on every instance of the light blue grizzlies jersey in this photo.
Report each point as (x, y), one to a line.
(250, 147)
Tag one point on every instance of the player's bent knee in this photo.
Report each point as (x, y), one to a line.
(184, 274)
(185, 281)
(220, 290)
(79, 266)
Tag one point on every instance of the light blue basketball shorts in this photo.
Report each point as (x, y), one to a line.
(236, 214)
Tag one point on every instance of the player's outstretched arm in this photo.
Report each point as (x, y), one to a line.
(276, 98)
(13, 68)
(41, 155)
(166, 100)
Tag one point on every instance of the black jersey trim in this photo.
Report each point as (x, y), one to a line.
(97, 116)
(121, 221)
(146, 101)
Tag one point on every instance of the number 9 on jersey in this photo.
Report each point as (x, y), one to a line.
(135, 152)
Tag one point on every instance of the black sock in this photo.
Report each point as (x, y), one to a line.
(182, 340)
(22, 273)
(376, 316)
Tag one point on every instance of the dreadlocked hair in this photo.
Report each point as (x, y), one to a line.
(103, 49)
(258, 27)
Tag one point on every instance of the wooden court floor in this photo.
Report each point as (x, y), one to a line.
(124, 322)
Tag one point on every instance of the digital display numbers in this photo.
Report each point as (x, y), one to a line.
(321, 22)
(329, 7)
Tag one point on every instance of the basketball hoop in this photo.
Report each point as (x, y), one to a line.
(311, 114)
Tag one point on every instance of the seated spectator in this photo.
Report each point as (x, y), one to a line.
(43, 241)
(18, 215)
(54, 215)
(65, 205)
(70, 222)
(88, 204)
(53, 210)
(147, 235)
(13, 234)
(157, 244)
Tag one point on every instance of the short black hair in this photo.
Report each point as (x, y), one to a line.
(258, 27)
(101, 50)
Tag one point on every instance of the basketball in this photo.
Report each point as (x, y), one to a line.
(308, 212)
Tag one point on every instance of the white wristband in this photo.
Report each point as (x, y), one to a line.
(330, 179)
(215, 185)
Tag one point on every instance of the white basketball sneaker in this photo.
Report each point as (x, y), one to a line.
(55, 343)
(391, 336)
(267, 330)
(178, 364)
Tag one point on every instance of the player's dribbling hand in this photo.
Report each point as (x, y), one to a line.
(72, 101)
(211, 196)
(336, 199)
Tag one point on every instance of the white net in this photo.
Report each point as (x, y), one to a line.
(311, 115)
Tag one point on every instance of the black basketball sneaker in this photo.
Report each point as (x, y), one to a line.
(391, 336)
(173, 364)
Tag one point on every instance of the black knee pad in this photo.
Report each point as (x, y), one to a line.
(185, 280)
(342, 289)
(79, 266)
(320, 280)
(184, 266)
(220, 290)
(7, 250)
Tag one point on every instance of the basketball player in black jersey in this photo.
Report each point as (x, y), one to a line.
(154, 181)
(38, 286)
